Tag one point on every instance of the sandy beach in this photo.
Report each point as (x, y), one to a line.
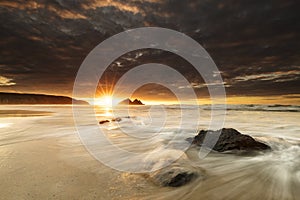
(42, 157)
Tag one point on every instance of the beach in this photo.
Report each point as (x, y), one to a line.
(42, 156)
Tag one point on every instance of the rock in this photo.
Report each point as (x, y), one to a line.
(103, 121)
(129, 102)
(118, 119)
(230, 139)
(173, 177)
(173, 174)
(179, 179)
(137, 102)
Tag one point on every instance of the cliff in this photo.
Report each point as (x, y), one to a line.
(20, 98)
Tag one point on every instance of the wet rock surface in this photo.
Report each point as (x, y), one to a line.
(229, 139)
(118, 119)
(174, 176)
(103, 121)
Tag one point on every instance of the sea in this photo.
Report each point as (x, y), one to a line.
(62, 152)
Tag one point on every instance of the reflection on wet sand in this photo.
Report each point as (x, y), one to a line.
(23, 113)
(43, 157)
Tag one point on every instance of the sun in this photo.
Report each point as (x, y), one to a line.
(107, 101)
(103, 101)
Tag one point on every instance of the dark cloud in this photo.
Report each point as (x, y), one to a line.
(255, 44)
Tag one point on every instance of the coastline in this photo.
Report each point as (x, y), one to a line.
(43, 158)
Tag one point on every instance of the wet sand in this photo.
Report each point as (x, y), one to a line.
(38, 170)
(43, 158)
(23, 113)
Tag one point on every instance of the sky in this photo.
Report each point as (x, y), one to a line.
(255, 45)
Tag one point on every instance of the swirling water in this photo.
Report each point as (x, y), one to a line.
(42, 156)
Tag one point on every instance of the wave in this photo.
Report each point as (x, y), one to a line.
(253, 107)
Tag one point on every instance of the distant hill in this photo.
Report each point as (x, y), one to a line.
(129, 102)
(20, 98)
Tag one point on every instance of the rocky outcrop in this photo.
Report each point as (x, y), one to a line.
(129, 102)
(19, 98)
(175, 176)
(229, 139)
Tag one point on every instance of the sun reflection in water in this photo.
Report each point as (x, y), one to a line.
(108, 112)
(4, 125)
(104, 105)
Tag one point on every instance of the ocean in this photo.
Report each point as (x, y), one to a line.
(43, 155)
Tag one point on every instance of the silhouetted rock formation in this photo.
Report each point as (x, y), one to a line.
(129, 102)
(19, 98)
(230, 139)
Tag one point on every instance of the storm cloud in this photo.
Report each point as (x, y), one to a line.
(255, 44)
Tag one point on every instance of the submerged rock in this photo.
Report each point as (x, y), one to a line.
(229, 139)
(174, 176)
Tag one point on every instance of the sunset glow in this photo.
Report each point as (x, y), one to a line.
(104, 101)
(149, 99)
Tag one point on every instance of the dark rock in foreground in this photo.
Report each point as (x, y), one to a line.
(173, 177)
(230, 139)
(179, 179)
(129, 102)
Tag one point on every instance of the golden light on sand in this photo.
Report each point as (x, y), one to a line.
(4, 125)
(108, 112)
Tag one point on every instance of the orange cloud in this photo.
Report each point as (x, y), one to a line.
(22, 6)
(120, 6)
(66, 14)
(32, 5)
(6, 81)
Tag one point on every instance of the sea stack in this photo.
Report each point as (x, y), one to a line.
(129, 102)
